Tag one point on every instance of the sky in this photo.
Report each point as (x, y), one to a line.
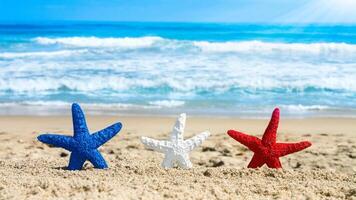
(240, 11)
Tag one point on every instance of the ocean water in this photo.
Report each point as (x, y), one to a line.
(166, 68)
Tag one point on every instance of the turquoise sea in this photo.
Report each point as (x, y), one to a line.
(166, 68)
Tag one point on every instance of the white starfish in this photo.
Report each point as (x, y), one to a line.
(176, 149)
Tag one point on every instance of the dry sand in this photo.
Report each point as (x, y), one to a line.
(31, 170)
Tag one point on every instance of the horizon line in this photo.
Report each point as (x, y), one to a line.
(19, 22)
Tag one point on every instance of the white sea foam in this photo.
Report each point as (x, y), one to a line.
(218, 77)
(125, 42)
(258, 46)
(340, 51)
(303, 108)
(167, 103)
(62, 53)
(336, 52)
(94, 106)
(328, 51)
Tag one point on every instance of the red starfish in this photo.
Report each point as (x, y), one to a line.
(267, 150)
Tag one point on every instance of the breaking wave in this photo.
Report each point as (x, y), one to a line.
(125, 42)
(328, 51)
(331, 52)
(62, 53)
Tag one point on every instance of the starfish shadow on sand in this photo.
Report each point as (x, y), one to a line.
(83, 145)
(267, 150)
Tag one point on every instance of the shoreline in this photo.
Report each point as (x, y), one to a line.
(111, 110)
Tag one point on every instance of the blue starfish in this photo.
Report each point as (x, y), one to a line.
(83, 145)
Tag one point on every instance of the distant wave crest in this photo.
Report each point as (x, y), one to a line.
(340, 51)
(36, 54)
(125, 42)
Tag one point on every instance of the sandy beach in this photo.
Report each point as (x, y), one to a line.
(32, 170)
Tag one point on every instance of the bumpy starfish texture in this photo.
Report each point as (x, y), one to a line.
(83, 145)
(176, 149)
(267, 151)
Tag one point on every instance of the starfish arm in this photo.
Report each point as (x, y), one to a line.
(197, 140)
(157, 145)
(97, 159)
(79, 123)
(184, 161)
(256, 161)
(252, 142)
(66, 142)
(270, 135)
(178, 129)
(101, 137)
(274, 163)
(168, 161)
(283, 149)
(76, 161)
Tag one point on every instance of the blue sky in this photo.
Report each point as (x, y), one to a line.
(247, 11)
